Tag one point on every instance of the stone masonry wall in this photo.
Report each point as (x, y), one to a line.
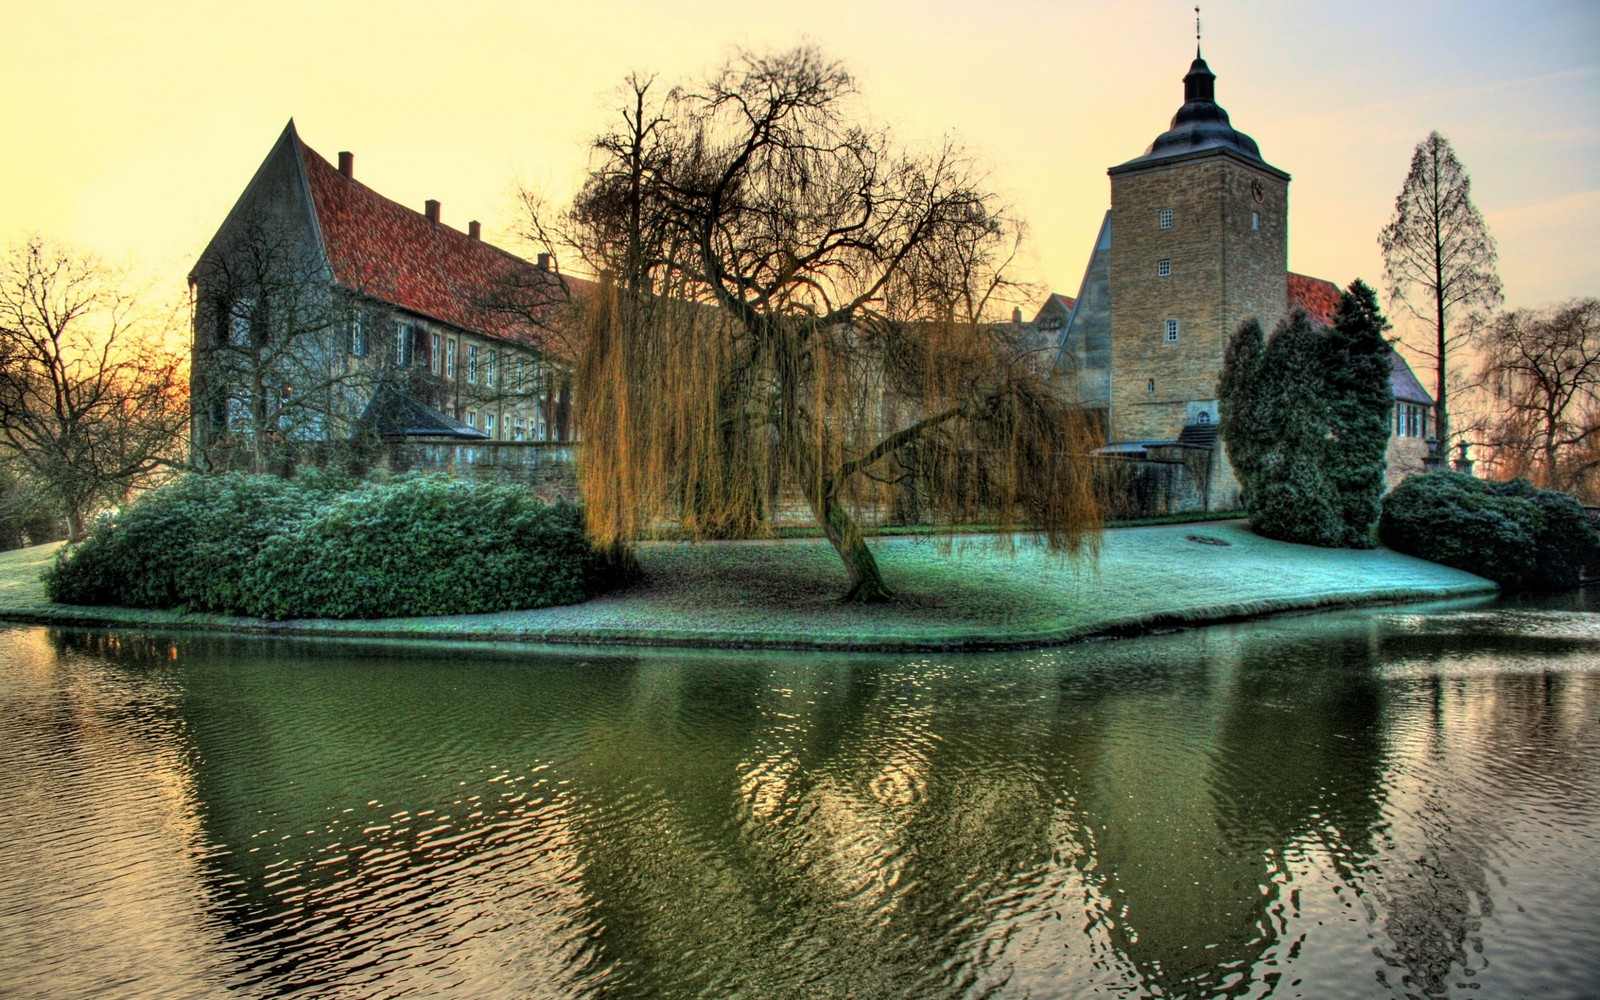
(1222, 272)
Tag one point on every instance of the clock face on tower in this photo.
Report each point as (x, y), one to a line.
(1258, 192)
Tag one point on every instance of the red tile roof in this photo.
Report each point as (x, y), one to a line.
(1067, 301)
(384, 250)
(1319, 298)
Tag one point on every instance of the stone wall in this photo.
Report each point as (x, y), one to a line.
(1404, 459)
(549, 467)
(1223, 270)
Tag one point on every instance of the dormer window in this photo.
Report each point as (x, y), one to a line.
(1166, 218)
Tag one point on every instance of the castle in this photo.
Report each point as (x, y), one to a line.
(1195, 243)
(324, 308)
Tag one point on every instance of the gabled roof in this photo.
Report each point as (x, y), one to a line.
(1319, 299)
(393, 413)
(1403, 382)
(1065, 301)
(386, 251)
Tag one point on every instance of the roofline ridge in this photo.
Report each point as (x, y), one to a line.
(289, 133)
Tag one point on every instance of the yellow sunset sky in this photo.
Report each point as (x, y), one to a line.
(131, 128)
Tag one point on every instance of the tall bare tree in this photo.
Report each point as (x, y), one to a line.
(1541, 368)
(1438, 256)
(91, 407)
(792, 302)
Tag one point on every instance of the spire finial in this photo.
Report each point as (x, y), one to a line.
(1197, 32)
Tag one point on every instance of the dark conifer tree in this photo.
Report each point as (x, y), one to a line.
(1305, 421)
(1356, 371)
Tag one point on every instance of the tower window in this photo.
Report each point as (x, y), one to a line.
(1163, 268)
(1255, 220)
(1166, 218)
(1150, 386)
(1172, 331)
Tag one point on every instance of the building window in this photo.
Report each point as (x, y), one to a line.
(358, 335)
(1163, 268)
(402, 344)
(472, 364)
(1150, 386)
(1166, 218)
(1410, 420)
(520, 430)
(239, 325)
(522, 373)
(488, 424)
(472, 418)
(450, 359)
(1255, 220)
(488, 371)
(433, 354)
(1172, 331)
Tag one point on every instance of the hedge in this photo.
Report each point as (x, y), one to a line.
(1516, 534)
(322, 546)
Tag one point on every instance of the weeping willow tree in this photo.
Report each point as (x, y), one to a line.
(792, 307)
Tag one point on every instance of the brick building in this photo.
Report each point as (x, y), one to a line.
(325, 312)
(1196, 242)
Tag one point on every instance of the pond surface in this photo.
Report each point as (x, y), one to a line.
(1398, 802)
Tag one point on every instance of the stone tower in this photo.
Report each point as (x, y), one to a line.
(1201, 244)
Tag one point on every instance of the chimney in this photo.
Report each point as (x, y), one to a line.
(544, 262)
(474, 230)
(347, 165)
(1016, 315)
(431, 210)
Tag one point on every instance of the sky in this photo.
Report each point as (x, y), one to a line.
(131, 128)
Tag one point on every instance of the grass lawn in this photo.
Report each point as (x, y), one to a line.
(960, 593)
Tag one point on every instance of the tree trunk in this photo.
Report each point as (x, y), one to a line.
(866, 583)
(77, 525)
(1442, 431)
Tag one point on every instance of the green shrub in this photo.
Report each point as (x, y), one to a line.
(184, 544)
(323, 546)
(425, 546)
(1520, 536)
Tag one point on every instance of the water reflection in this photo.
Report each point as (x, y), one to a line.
(1389, 803)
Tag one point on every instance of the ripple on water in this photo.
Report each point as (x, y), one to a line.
(1234, 812)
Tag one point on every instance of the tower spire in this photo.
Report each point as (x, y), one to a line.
(1197, 32)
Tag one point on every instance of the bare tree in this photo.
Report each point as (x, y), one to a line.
(91, 408)
(279, 352)
(1541, 368)
(790, 302)
(1438, 255)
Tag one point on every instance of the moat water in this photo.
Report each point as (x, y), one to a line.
(1397, 802)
